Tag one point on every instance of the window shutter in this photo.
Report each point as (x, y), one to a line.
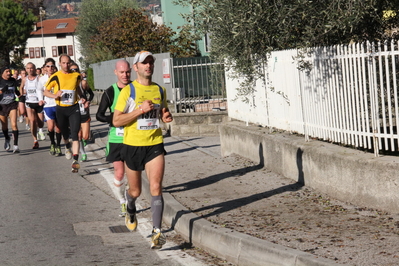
(31, 52)
(37, 52)
(70, 50)
(54, 50)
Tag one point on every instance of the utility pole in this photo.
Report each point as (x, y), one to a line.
(42, 12)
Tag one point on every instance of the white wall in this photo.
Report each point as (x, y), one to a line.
(252, 112)
(49, 42)
(275, 100)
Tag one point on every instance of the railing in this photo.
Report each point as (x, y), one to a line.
(343, 94)
(357, 97)
(199, 85)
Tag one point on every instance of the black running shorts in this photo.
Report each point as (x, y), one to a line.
(114, 152)
(35, 106)
(22, 99)
(136, 157)
(7, 108)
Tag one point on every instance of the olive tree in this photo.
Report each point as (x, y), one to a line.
(244, 32)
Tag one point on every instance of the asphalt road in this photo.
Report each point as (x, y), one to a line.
(50, 216)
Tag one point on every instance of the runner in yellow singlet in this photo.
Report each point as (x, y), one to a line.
(140, 106)
(66, 92)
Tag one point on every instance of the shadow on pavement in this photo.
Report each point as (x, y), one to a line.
(235, 203)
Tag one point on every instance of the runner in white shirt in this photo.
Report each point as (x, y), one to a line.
(34, 101)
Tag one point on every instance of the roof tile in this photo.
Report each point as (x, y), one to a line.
(50, 26)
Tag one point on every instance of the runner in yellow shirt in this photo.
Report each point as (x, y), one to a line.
(63, 86)
(140, 107)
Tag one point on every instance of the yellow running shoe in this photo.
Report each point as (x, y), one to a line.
(131, 221)
(123, 210)
(157, 239)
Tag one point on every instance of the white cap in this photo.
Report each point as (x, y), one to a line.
(141, 56)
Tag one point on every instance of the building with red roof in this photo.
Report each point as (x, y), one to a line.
(51, 38)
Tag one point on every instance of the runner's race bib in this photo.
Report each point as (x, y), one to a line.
(149, 120)
(119, 131)
(82, 108)
(67, 97)
(9, 94)
(31, 95)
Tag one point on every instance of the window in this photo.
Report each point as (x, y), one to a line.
(31, 52)
(61, 25)
(43, 51)
(62, 50)
(70, 50)
(54, 51)
(36, 52)
(65, 49)
(61, 35)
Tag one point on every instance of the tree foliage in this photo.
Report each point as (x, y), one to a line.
(131, 32)
(94, 13)
(244, 32)
(32, 5)
(16, 25)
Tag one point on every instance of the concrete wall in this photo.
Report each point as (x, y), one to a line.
(197, 124)
(345, 174)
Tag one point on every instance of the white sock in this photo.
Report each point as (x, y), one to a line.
(82, 148)
(121, 194)
(119, 190)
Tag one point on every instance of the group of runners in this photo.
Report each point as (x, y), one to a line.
(133, 110)
(36, 95)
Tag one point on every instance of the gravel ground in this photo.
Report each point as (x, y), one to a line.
(236, 193)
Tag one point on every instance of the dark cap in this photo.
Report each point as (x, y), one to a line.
(4, 68)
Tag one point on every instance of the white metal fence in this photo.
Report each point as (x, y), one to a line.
(343, 94)
(199, 84)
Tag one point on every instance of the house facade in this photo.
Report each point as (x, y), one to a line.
(171, 14)
(51, 38)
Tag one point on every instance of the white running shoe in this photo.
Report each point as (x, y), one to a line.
(27, 127)
(68, 154)
(7, 145)
(16, 149)
(41, 136)
(21, 119)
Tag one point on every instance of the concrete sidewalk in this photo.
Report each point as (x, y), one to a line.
(197, 177)
(201, 156)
